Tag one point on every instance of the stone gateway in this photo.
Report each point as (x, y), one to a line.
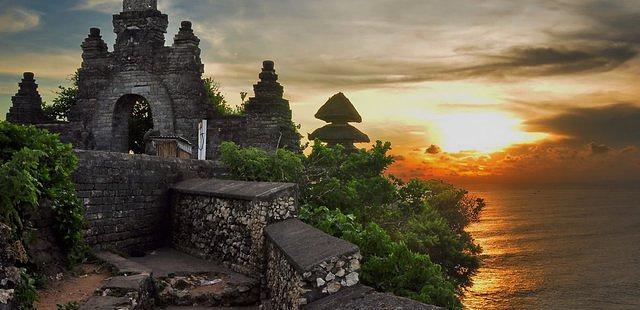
(142, 69)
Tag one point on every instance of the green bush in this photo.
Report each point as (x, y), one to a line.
(35, 172)
(387, 265)
(254, 164)
(72, 305)
(411, 234)
(26, 293)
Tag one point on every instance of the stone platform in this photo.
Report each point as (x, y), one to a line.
(169, 278)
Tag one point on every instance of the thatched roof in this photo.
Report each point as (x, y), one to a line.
(339, 133)
(339, 110)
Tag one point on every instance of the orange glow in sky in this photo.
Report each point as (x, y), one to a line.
(483, 132)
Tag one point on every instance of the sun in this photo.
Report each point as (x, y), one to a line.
(484, 132)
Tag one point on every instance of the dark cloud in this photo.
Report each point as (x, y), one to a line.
(433, 149)
(597, 149)
(514, 63)
(617, 125)
(547, 61)
(612, 21)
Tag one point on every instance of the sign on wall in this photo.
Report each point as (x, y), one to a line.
(202, 140)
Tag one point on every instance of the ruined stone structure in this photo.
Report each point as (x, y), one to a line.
(339, 112)
(168, 78)
(27, 103)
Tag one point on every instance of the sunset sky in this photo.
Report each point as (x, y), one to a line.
(468, 91)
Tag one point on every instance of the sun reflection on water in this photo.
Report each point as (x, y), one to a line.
(559, 248)
(499, 280)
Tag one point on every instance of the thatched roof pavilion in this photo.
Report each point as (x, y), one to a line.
(339, 111)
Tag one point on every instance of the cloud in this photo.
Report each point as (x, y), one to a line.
(433, 149)
(113, 6)
(612, 21)
(545, 162)
(58, 64)
(548, 61)
(597, 149)
(104, 6)
(617, 124)
(17, 19)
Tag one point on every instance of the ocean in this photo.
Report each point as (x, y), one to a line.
(561, 248)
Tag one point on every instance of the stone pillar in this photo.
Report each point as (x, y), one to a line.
(269, 123)
(186, 37)
(26, 106)
(93, 77)
(93, 46)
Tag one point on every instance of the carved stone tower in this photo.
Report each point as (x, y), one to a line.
(27, 103)
(269, 123)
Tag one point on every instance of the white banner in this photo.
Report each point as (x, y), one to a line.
(202, 140)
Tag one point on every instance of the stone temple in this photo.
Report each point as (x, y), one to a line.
(169, 78)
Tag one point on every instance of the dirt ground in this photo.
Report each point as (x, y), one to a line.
(72, 288)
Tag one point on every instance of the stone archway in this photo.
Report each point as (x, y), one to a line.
(114, 108)
(132, 118)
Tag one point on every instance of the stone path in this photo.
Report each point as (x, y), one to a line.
(169, 278)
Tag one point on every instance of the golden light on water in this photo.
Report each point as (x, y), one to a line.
(500, 279)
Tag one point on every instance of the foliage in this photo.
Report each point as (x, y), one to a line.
(387, 265)
(65, 98)
(412, 234)
(72, 305)
(140, 122)
(26, 293)
(35, 173)
(255, 164)
(219, 102)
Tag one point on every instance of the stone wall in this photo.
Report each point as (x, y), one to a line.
(224, 128)
(305, 264)
(127, 196)
(224, 221)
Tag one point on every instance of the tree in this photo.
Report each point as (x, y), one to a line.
(65, 98)
(219, 102)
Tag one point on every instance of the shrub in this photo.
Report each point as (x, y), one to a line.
(35, 172)
(411, 234)
(387, 265)
(255, 164)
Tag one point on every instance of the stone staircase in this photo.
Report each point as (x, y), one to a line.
(167, 278)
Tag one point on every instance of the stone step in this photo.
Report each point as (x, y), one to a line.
(106, 302)
(121, 264)
(178, 279)
(212, 308)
